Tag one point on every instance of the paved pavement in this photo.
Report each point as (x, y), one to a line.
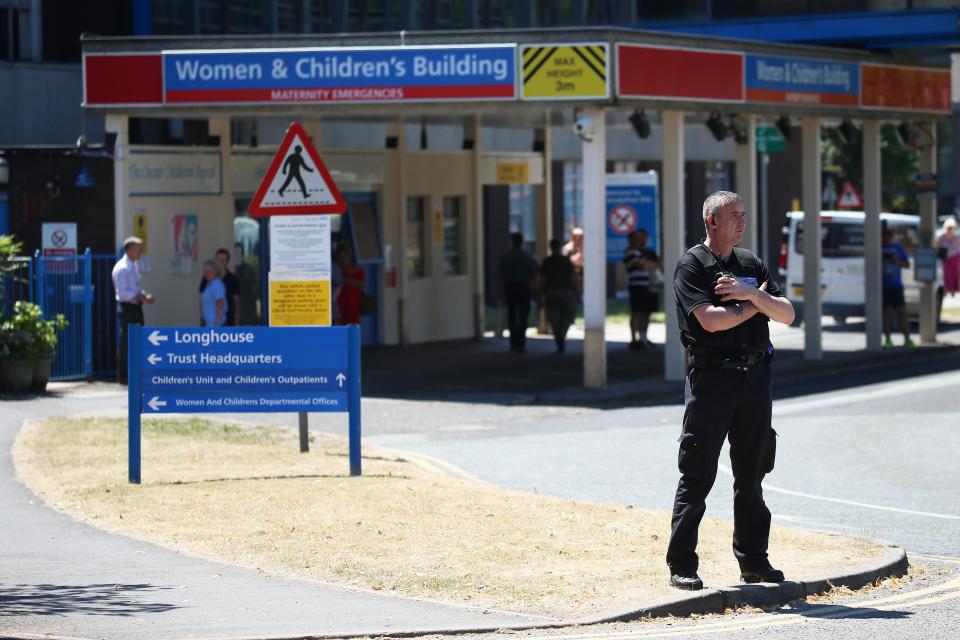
(65, 578)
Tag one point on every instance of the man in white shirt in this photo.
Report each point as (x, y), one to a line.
(130, 298)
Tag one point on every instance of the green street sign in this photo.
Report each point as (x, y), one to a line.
(769, 140)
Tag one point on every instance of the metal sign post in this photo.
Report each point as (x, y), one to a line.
(243, 370)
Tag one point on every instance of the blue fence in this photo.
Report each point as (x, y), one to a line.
(80, 288)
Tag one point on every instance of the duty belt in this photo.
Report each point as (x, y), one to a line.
(725, 360)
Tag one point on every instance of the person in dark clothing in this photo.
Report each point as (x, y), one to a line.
(558, 281)
(518, 277)
(725, 298)
(641, 264)
(232, 286)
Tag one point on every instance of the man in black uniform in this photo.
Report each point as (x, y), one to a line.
(725, 297)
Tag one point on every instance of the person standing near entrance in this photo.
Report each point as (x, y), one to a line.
(725, 298)
(559, 285)
(231, 286)
(130, 298)
(518, 277)
(895, 258)
(641, 264)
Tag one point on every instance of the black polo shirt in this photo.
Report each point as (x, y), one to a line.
(694, 287)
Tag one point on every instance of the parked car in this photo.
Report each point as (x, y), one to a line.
(842, 273)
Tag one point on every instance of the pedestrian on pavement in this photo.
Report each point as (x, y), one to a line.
(518, 278)
(725, 298)
(351, 289)
(895, 258)
(230, 284)
(642, 265)
(560, 297)
(574, 250)
(130, 298)
(213, 300)
(948, 248)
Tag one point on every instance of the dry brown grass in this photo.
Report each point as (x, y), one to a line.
(246, 496)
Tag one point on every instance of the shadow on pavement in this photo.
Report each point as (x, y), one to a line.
(92, 599)
(487, 372)
(841, 612)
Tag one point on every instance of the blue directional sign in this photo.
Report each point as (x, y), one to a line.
(241, 370)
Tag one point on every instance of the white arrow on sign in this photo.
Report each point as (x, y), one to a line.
(154, 358)
(156, 338)
(340, 379)
(155, 403)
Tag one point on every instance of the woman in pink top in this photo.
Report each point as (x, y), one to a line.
(949, 243)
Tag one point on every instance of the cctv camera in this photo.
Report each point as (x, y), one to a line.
(584, 128)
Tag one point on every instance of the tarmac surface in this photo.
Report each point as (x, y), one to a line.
(65, 578)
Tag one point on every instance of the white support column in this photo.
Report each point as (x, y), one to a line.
(928, 224)
(747, 184)
(122, 227)
(674, 212)
(871, 234)
(810, 197)
(595, 252)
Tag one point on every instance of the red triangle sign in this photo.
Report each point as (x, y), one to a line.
(297, 181)
(849, 197)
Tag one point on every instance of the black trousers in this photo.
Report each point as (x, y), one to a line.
(518, 311)
(129, 314)
(724, 403)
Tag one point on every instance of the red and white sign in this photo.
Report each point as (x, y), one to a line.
(297, 182)
(849, 197)
(622, 219)
(669, 73)
(59, 241)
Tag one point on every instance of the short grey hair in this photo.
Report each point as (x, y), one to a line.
(719, 200)
(213, 265)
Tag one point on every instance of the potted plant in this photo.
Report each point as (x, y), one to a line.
(27, 344)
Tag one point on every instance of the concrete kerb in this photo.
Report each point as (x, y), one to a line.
(894, 563)
(788, 369)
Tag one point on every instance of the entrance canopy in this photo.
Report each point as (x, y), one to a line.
(534, 78)
(500, 71)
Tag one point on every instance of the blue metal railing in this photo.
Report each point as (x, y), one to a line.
(80, 288)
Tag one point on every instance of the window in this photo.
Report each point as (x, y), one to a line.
(453, 214)
(417, 237)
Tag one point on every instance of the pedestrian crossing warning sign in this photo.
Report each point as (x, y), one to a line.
(565, 72)
(297, 182)
(849, 197)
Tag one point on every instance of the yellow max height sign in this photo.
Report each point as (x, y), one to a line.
(565, 72)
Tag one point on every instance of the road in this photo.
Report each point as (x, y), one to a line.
(876, 460)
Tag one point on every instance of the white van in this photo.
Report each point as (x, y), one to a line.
(842, 279)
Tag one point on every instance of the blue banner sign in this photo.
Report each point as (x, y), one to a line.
(376, 74)
(802, 81)
(244, 402)
(631, 205)
(241, 370)
(248, 348)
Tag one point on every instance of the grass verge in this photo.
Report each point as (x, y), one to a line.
(246, 496)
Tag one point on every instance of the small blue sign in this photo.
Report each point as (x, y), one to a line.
(247, 380)
(244, 402)
(801, 81)
(84, 179)
(631, 205)
(383, 74)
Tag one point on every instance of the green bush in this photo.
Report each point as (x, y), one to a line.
(27, 336)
